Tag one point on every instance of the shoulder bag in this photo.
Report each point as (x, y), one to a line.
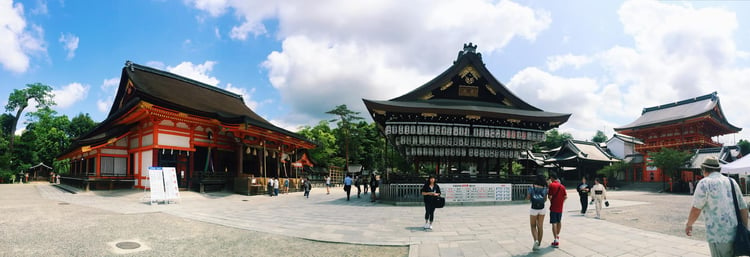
(741, 238)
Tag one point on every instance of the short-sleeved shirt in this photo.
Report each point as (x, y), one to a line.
(557, 196)
(713, 197)
(426, 188)
(348, 181)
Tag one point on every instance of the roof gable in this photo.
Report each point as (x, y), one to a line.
(584, 150)
(467, 80)
(182, 94)
(681, 110)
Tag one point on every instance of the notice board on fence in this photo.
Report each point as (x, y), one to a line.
(156, 184)
(171, 188)
(467, 192)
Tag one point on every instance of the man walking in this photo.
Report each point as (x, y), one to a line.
(557, 196)
(713, 199)
(348, 185)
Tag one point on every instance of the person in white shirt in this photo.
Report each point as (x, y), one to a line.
(276, 186)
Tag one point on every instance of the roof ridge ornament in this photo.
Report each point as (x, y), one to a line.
(129, 64)
(468, 48)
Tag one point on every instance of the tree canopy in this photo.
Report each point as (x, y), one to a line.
(600, 137)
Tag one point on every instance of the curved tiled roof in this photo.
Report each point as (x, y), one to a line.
(677, 111)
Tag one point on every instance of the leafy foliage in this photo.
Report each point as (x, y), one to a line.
(600, 137)
(744, 146)
(669, 161)
(554, 139)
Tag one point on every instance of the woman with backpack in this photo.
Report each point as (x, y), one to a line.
(537, 193)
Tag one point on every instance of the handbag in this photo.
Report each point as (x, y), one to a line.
(439, 202)
(741, 238)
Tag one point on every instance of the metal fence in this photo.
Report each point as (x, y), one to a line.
(412, 192)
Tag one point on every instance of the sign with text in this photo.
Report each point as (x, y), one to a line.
(476, 192)
(156, 184)
(171, 188)
(163, 184)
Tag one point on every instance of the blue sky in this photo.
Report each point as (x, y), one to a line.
(602, 61)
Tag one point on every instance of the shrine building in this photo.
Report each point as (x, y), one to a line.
(686, 125)
(464, 122)
(159, 119)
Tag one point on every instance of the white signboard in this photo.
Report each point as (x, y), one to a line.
(170, 183)
(156, 184)
(476, 192)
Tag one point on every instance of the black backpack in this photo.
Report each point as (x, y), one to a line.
(537, 198)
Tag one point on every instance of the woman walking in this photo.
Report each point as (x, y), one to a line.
(599, 194)
(430, 191)
(537, 193)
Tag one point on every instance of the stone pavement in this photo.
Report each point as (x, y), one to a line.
(494, 230)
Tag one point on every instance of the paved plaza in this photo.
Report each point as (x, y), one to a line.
(492, 230)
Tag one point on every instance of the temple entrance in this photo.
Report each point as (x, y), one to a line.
(179, 160)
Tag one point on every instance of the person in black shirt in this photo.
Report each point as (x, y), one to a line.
(430, 191)
(583, 193)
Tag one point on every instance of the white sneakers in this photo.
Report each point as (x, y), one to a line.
(536, 246)
(427, 226)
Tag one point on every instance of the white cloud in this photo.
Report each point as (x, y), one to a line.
(559, 61)
(322, 40)
(70, 44)
(216, 33)
(246, 96)
(17, 42)
(156, 65)
(679, 52)
(41, 8)
(109, 87)
(199, 72)
(70, 94)
(213, 7)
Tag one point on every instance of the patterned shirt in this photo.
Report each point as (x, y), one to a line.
(713, 197)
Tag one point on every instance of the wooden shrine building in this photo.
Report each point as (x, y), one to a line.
(685, 125)
(161, 119)
(464, 122)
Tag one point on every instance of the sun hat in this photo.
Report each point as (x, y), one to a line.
(711, 163)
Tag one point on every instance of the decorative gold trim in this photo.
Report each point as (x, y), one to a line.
(428, 96)
(470, 91)
(381, 112)
(85, 148)
(473, 117)
(429, 114)
(492, 91)
(467, 70)
(506, 102)
(446, 86)
(513, 120)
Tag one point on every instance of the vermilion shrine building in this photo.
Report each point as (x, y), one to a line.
(464, 122)
(685, 125)
(164, 120)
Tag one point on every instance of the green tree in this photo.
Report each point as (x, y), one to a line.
(554, 139)
(80, 125)
(600, 137)
(46, 135)
(19, 100)
(669, 161)
(326, 140)
(613, 170)
(744, 146)
(346, 118)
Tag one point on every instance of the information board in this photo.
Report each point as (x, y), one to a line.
(156, 184)
(171, 187)
(476, 192)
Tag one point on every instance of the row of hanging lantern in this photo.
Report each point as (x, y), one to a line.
(462, 142)
(463, 130)
(462, 152)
